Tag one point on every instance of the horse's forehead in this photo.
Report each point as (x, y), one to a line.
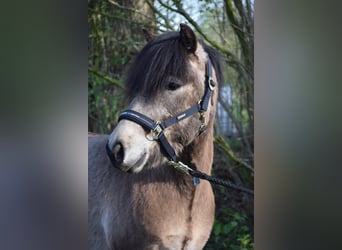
(159, 62)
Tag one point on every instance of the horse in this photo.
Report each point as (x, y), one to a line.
(137, 200)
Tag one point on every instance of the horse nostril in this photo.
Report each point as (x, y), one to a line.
(118, 153)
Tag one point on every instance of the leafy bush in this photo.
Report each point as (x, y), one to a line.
(231, 232)
(105, 103)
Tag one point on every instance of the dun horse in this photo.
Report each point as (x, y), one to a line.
(136, 199)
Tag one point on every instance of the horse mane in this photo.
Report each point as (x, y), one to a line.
(216, 60)
(163, 56)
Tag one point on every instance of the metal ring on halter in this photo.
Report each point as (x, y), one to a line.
(211, 83)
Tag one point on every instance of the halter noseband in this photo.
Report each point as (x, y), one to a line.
(158, 128)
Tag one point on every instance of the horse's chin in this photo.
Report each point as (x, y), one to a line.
(145, 167)
(135, 170)
(132, 170)
(137, 166)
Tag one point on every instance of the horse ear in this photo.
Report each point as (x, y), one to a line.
(188, 38)
(148, 35)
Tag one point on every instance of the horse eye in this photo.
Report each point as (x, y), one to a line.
(172, 86)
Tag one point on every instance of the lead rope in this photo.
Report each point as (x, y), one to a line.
(180, 166)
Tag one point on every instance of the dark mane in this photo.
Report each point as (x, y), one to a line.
(162, 57)
(216, 59)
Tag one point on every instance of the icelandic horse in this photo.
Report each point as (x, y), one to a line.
(136, 199)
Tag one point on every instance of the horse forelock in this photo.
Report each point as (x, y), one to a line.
(161, 58)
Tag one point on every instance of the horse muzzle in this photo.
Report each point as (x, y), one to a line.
(126, 151)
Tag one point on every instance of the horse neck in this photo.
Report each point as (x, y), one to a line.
(199, 154)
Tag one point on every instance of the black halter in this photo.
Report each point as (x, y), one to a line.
(158, 128)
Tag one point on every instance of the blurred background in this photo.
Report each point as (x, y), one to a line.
(45, 95)
(115, 38)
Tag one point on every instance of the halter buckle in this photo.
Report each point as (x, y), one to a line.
(158, 129)
(180, 166)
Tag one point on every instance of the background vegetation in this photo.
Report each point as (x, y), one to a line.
(115, 37)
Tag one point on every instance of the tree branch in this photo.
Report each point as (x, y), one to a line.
(238, 27)
(166, 20)
(116, 82)
(126, 19)
(221, 142)
(131, 10)
(237, 125)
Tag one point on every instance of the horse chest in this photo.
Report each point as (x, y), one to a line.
(166, 220)
(178, 220)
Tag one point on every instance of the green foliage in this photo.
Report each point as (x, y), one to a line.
(233, 227)
(115, 37)
(231, 232)
(104, 105)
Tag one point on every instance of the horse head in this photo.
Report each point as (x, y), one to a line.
(166, 79)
